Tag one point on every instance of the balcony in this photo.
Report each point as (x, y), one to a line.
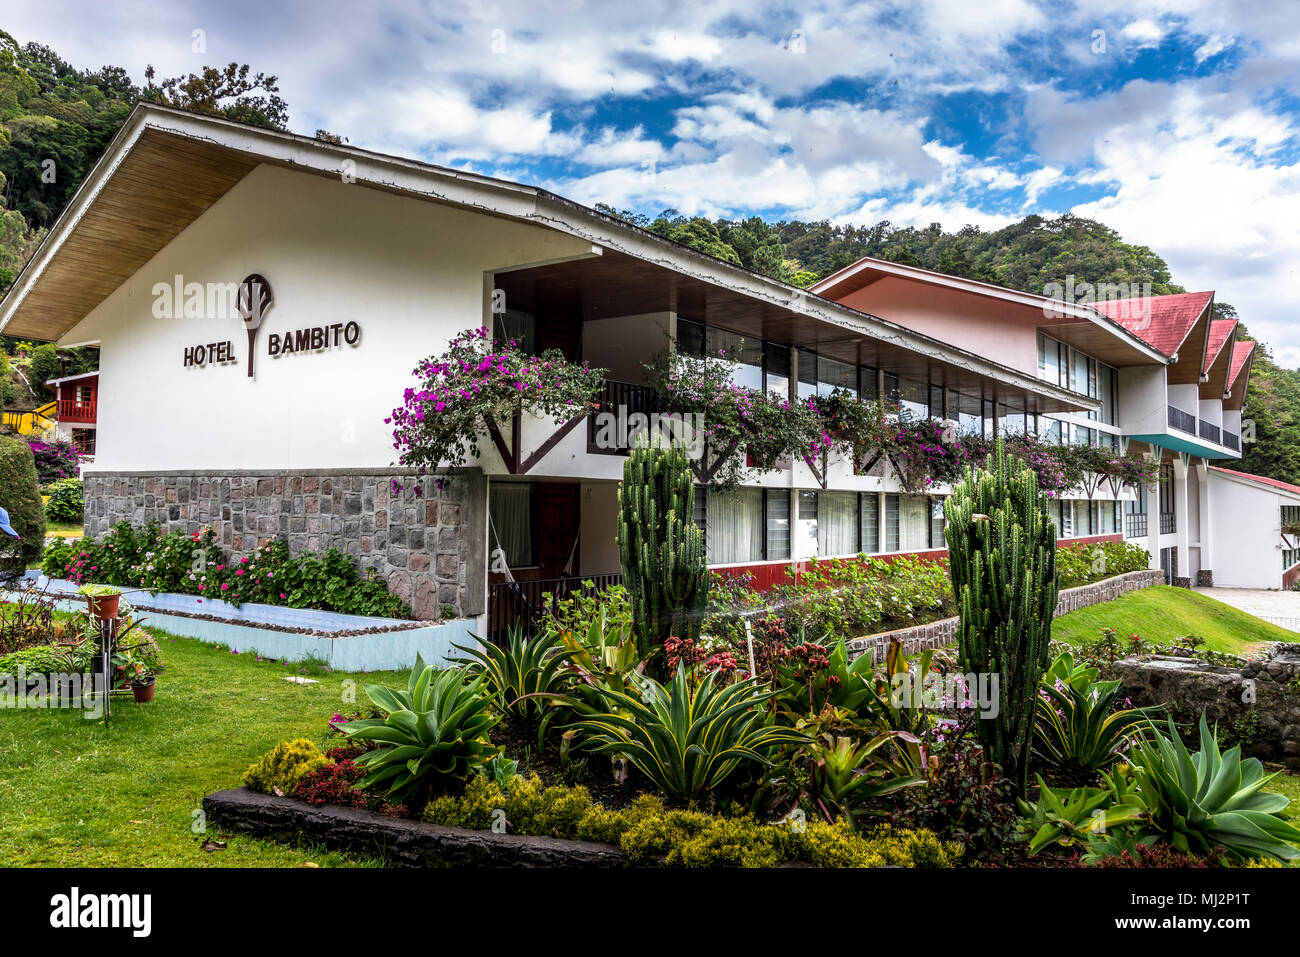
(71, 410)
(1135, 525)
(1210, 432)
(1168, 523)
(1182, 421)
(1231, 441)
(622, 400)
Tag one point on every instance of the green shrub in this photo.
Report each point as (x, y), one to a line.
(1084, 563)
(646, 830)
(48, 659)
(66, 503)
(20, 495)
(280, 769)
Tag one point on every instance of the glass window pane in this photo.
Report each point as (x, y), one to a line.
(519, 326)
(735, 526)
(807, 373)
(690, 337)
(776, 361)
(870, 533)
(868, 386)
(838, 523)
(833, 374)
(936, 524)
(891, 523)
(807, 527)
(778, 523)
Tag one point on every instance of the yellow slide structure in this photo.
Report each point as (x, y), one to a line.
(36, 422)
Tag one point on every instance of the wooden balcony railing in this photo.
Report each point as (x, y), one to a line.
(72, 411)
(520, 603)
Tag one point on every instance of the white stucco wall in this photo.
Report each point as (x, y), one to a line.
(409, 272)
(1245, 520)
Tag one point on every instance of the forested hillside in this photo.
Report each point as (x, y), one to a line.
(56, 119)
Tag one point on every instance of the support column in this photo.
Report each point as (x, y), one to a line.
(1205, 577)
(1182, 516)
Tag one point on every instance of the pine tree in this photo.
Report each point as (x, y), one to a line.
(1002, 558)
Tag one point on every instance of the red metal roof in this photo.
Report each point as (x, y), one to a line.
(1161, 321)
(1220, 332)
(1262, 480)
(1240, 354)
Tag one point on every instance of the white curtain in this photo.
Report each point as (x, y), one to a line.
(838, 523)
(512, 519)
(914, 522)
(735, 526)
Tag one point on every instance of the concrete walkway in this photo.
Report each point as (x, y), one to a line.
(1279, 607)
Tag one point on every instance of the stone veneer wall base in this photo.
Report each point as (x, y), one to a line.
(938, 634)
(429, 548)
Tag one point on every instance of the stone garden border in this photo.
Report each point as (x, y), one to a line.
(343, 642)
(402, 842)
(938, 634)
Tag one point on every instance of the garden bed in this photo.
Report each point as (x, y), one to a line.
(940, 633)
(343, 642)
(402, 842)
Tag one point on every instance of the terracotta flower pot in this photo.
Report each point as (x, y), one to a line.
(143, 691)
(103, 607)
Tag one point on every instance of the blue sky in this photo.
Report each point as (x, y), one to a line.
(1173, 121)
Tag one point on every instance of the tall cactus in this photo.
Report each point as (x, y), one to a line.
(660, 547)
(1002, 558)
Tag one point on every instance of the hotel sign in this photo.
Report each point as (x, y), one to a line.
(253, 300)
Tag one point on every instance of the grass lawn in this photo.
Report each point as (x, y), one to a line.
(73, 793)
(1164, 614)
(64, 529)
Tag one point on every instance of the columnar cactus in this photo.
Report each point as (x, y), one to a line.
(660, 547)
(1002, 558)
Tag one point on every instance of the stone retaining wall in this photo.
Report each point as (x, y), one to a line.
(1256, 705)
(937, 634)
(429, 548)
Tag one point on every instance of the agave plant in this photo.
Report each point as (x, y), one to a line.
(1079, 731)
(434, 732)
(1197, 801)
(686, 739)
(525, 675)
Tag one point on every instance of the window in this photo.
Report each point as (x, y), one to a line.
(746, 352)
(1108, 392)
(1166, 489)
(936, 524)
(84, 440)
(838, 523)
(869, 534)
(776, 369)
(690, 337)
(1013, 423)
(1049, 430)
(807, 373)
(512, 513)
(735, 527)
(891, 523)
(85, 395)
(913, 398)
(807, 524)
(868, 387)
(777, 510)
(1290, 515)
(914, 534)
(1053, 357)
(970, 420)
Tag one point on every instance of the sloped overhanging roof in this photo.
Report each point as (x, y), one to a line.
(1177, 325)
(1243, 354)
(166, 166)
(1218, 358)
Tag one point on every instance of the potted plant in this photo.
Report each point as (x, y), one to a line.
(102, 600)
(136, 665)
